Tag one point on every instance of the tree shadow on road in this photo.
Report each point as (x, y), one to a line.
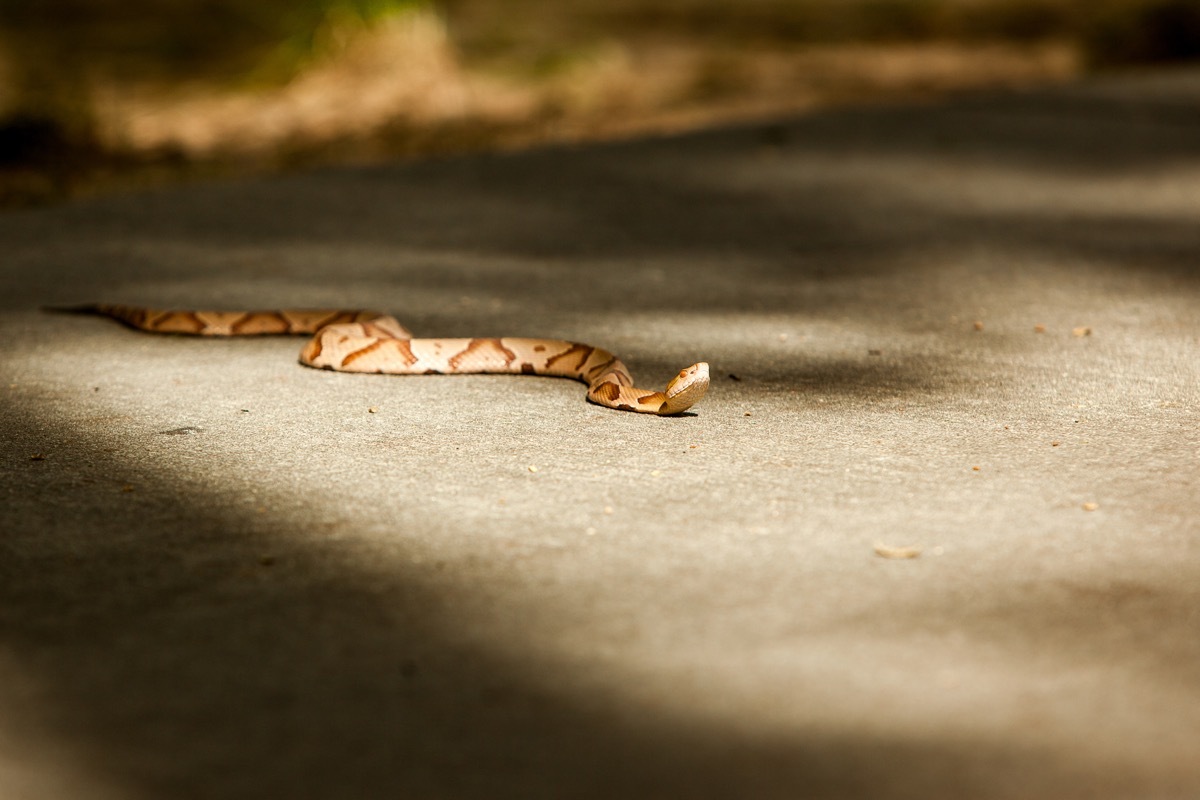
(147, 629)
(168, 657)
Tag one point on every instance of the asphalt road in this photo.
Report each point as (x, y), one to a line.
(967, 332)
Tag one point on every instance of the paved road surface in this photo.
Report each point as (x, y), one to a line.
(972, 329)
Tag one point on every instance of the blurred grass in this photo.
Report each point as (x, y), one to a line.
(93, 92)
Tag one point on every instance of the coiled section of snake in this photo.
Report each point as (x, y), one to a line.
(369, 341)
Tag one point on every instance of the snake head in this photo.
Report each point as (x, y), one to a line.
(685, 389)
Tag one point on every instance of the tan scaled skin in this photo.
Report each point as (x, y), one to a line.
(368, 341)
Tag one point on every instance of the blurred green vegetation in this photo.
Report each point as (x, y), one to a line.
(49, 45)
(177, 38)
(53, 52)
(53, 49)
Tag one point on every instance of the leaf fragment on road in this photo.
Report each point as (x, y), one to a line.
(889, 551)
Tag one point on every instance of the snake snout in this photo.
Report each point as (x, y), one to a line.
(686, 389)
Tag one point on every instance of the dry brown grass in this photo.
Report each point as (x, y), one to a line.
(406, 75)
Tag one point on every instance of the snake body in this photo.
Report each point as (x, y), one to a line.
(368, 341)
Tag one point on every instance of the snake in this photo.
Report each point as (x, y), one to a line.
(374, 342)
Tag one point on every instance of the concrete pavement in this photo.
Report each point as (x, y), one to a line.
(969, 329)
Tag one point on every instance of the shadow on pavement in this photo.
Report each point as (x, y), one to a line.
(359, 682)
(147, 640)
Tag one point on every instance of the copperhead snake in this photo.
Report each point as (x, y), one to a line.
(368, 341)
